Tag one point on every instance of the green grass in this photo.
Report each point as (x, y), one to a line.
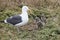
(51, 31)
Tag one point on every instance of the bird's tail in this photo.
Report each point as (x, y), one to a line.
(2, 22)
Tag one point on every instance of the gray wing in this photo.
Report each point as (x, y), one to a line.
(14, 20)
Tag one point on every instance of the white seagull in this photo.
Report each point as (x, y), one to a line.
(18, 20)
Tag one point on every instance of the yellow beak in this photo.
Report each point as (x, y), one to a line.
(30, 11)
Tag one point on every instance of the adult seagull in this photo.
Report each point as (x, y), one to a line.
(18, 20)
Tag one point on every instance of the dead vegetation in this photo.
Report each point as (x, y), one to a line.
(47, 12)
(33, 3)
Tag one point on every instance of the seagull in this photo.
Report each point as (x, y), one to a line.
(18, 20)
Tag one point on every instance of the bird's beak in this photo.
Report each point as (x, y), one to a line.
(29, 11)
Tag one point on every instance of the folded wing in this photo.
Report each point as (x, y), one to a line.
(14, 20)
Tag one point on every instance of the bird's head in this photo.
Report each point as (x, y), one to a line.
(25, 8)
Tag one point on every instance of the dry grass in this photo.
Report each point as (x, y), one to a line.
(51, 9)
(33, 3)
